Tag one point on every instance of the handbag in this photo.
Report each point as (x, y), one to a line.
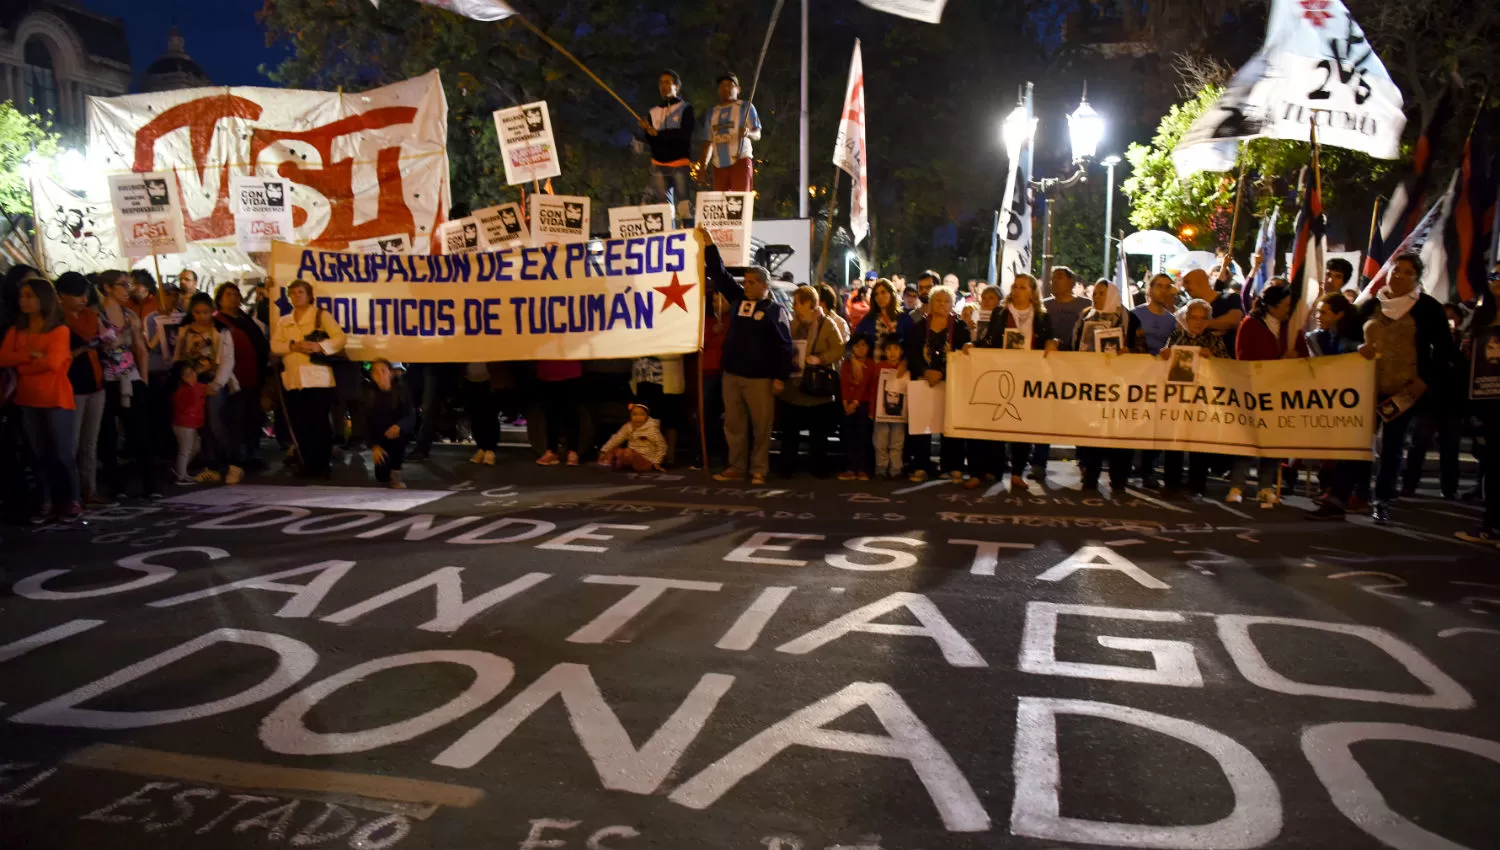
(319, 335)
(819, 381)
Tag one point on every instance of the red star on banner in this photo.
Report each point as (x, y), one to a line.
(1316, 11)
(674, 294)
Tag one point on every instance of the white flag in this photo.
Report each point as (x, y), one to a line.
(1315, 61)
(928, 11)
(1016, 218)
(849, 150)
(1435, 277)
(1414, 241)
(479, 10)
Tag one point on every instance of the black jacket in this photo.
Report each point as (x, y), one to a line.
(1435, 347)
(382, 409)
(994, 335)
(758, 343)
(920, 357)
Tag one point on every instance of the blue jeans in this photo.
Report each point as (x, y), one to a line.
(51, 435)
(670, 184)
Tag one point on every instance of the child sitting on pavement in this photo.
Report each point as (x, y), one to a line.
(638, 445)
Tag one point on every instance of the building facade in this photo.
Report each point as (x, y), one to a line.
(54, 55)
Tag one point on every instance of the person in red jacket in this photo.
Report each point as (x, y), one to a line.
(857, 379)
(1264, 335)
(37, 346)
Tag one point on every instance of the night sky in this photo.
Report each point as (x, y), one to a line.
(223, 36)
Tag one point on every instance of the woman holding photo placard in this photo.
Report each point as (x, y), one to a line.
(305, 339)
(1019, 323)
(932, 339)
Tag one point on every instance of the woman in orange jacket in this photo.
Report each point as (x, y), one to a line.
(37, 347)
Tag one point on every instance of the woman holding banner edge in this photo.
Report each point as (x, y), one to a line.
(304, 339)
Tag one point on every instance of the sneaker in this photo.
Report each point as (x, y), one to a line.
(43, 515)
(1327, 511)
(396, 482)
(70, 512)
(549, 459)
(956, 477)
(97, 502)
(208, 476)
(1268, 498)
(489, 458)
(478, 457)
(235, 476)
(973, 483)
(1489, 536)
(1381, 513)
(862, 476)
(918, 477)
(758, 479)
(846, 476)
(184, 480)
(1236, 496)
(730, 474)
(572, 458)
(1018, 484)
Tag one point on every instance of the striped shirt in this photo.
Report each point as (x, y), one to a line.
(722, 127)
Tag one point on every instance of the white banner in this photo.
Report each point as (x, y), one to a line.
(1323, 407)
(1016, 219)
(148, 214)
(361, 166)
(638, 297)
(559, 218)
(76, 234)
(526, 143)
(1315, 62)
(460, 236)
(625, 222)
(849, 153)
(727, 217)
(262, 211)
(396, 243)
(927, 11)
(502, 227)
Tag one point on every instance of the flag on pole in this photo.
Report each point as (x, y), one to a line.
(1410, 198)
(1315, 61)
(1437, 271)
(1469, 226)
(849, 153)
(1016, 218)
(994, 275)
(1413, 242)
(1265, 245)
(1307, 232)
(927, 11)
(1120, 297)
(479, 10)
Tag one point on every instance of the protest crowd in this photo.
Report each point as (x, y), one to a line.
(120, 384)
(116, 383)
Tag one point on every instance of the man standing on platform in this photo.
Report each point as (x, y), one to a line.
(669, 133)
(730, 127)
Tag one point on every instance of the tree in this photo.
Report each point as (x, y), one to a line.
(20, 136)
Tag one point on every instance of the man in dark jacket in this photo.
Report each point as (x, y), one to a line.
(1407, 331)
(756, 361)
(669, 132)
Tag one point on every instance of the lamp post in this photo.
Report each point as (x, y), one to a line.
(1109, 164)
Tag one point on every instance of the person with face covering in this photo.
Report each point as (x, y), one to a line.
(36, 345)
(1405, 332)
(933, 339)
(1021, 312)
(297, 337)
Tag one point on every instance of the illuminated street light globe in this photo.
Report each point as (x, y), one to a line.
(1110, 160)
(1085, 130)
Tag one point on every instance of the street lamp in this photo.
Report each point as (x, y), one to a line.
(1109, 164)
(1085, 129)
(1018, 127)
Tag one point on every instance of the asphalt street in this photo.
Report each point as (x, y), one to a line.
(519, 657)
